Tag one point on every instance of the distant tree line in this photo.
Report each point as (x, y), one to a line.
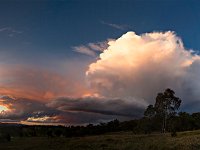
(57, 131)
(160, 117)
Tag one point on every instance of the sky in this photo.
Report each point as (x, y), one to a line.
(79, 62)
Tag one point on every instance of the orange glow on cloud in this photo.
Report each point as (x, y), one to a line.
(3, 108)
(20, 81)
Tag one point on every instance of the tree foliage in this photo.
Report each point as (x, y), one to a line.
(149, 112)
(166, 105)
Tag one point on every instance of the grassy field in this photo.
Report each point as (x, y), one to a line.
(114, 141)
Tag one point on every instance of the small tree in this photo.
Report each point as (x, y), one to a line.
(149, 112)
(166, 105)
(148, 121)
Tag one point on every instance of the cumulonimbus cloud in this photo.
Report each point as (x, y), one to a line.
(140, 66)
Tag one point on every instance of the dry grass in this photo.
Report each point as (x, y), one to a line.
(115, 141)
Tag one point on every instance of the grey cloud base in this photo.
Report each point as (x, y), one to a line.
(69, 111)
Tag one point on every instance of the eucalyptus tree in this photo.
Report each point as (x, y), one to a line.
(166, 105)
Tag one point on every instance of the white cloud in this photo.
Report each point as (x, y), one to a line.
(140, 66)
(116, 26)
(10, 31)
(92, 49)
(4, 29)
(99, 46)
(84, 50)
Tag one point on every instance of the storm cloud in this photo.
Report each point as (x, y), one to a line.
(68, 110)
(140, 66)
(21, 109)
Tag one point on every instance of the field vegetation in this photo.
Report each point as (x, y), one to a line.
(189, 140)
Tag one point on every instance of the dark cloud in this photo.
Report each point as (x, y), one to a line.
(96, 105)
(21, 109)
(69, 110)
(94, 109)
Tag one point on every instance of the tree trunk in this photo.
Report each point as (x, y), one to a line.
(164, 124)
